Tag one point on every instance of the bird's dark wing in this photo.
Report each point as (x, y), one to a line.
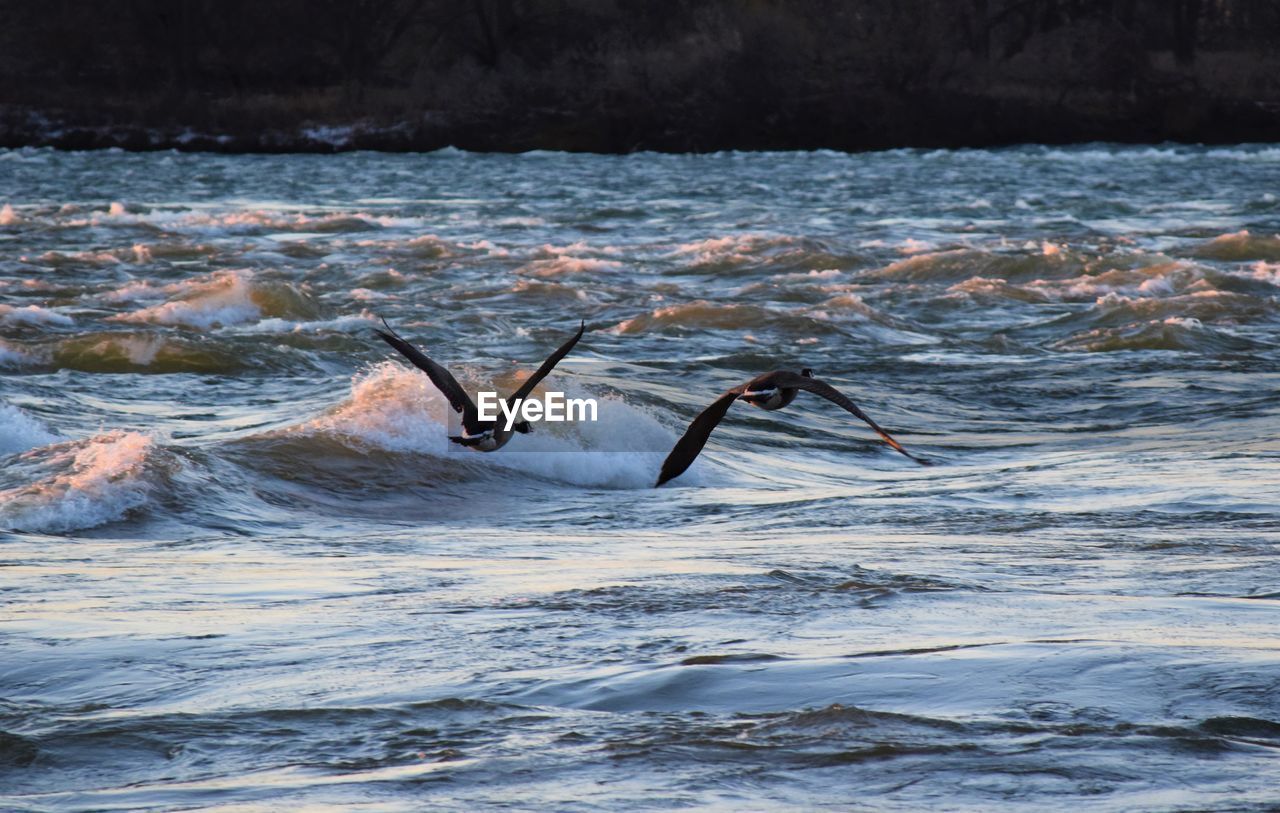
(695, 437)
(813, 385)
(546, 368)
(444, 381)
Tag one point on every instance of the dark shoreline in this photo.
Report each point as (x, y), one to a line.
(1217, 125)
(636, 75)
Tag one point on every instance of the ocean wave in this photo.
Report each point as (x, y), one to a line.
(13, 356)
(142, 352)
(77, 259)
(395, 409)
(1157, 280)
(261, 221)
(1240, 246)
(33, 315)
(703, 315)
(1144, 155)
(549, 291)
(341, 324)
(423, 247)
(1176, 333)
(1203, 306)
(19, 431)
(79, 484)
(226, 298)
(961, 264)
(774, 252)
(170, 250)
(997, 289)
(1241, 294)
(390, 407)
(566, 266)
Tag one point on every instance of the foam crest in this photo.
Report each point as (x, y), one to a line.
(255, 221)
(19, 431)
(568, 266)
(745, 250)
(79, 484)
(142, 352)
(733, 248)
(33, 315)
(343, 324)
(623, 448)
(391, 407)
(699, 314)
(397, 409)
(1176, 333)
(77, 259)
(1240, 246)
(12, 356)
(549, 291)
(1152, 281)
(996, 289)
(225, 298)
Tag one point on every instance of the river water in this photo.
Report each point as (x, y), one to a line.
(242, 569)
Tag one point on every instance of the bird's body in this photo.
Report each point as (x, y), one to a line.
(490, 439)
(482, 436)
(769, 391)
(764, 391)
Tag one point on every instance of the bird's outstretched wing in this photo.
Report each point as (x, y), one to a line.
(442, 378)
(813, 385)
(546, 368)
(695, 437)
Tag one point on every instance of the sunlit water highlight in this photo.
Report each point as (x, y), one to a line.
(243, 571)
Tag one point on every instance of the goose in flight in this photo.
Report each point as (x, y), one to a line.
(483, 436)
(768, 391)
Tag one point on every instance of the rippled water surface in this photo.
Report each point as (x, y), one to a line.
(243, 571)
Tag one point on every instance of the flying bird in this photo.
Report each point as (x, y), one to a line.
(768, 391)
(483, 436)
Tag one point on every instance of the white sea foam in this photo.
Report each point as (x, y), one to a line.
(11, 356)
(343, 324)
(221, 298)
(82, 484)
(730, 249)
(235, 221)
(140, 290)
(33, 315)
(396, 408)
(564, 266)
(19, 431)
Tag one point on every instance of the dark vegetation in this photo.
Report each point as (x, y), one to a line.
(621, 75)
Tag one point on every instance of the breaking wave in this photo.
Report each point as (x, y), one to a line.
(226, 298)
(395, 409)
(79, 484)
(19, 431)
(33, 315)
(143, 352)
(704, 315)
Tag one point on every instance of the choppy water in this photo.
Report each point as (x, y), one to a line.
(242, 573)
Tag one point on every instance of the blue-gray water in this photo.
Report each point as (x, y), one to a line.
(241, 571)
